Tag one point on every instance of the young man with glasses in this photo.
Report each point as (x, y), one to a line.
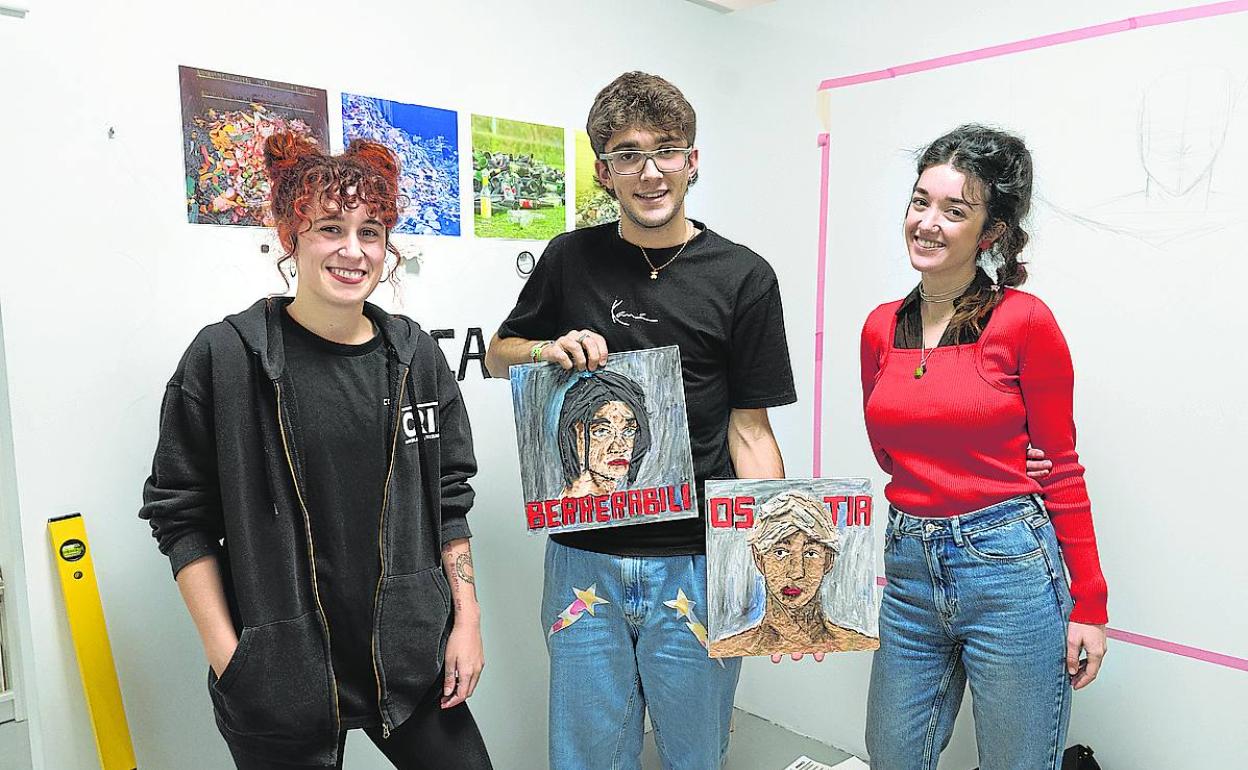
(655, 278)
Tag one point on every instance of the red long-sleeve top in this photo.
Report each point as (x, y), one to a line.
(955, 440)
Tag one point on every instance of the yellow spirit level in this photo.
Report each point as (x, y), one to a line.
(95, 655)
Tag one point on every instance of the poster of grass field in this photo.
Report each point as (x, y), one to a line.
(594, 205)
(519, 179)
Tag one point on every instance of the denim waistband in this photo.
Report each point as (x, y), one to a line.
(932, 528)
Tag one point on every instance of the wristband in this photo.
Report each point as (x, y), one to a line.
(537, 350)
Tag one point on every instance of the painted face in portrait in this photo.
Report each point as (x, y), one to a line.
(793, 568)
(603, 432)
(612, 433)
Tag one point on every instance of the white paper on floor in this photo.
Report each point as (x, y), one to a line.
(806, 763)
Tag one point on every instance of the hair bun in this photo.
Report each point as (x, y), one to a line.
(284, 150)
(377, 157)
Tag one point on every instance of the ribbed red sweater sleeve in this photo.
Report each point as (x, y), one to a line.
(1047, 380)
(955, 440)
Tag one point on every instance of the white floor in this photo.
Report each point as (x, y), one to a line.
(759, 745)
(14, 746)
(756, 745)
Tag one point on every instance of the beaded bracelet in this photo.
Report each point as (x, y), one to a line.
(538, 348)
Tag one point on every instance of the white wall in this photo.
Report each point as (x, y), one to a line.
(1148, 708)
(104, 284)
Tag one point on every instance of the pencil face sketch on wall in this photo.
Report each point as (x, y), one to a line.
(605, 448)
(791, 566)
(1182, 191)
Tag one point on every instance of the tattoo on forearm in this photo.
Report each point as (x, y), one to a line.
(463, 567)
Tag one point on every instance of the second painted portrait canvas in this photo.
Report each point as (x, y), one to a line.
(790, 567)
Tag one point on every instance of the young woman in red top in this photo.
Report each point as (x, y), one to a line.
(959, 378)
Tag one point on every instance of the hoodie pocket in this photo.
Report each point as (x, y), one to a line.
(277, 684)
(413, 623)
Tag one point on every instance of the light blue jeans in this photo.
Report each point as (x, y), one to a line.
(632, 652)
(980, 597)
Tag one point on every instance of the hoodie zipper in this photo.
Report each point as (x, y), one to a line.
(381, 547)
(307, 523)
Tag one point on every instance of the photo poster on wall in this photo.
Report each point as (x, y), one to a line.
(594, 205)
(426, 141)
(225, 120)
(519, 179)
(790, 566)
(605, 448)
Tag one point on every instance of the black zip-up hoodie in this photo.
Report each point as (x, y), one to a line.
(228, 481)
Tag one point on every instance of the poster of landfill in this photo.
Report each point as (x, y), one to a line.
(225, 120)
(594, 205)
(790, 566)
(519, 183)
(426, 140)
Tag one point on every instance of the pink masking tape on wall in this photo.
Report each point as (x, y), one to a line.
(825, 155)
(1175, 648)
(1043, 41)
(1161, 645)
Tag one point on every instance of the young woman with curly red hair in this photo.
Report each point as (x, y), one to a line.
(310, 487)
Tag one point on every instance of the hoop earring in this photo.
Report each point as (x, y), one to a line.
(291, 268)
(387, 271)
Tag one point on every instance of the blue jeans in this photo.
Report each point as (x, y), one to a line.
(980, 597)
(622, 648)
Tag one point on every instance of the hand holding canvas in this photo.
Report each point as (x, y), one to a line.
(583, 349)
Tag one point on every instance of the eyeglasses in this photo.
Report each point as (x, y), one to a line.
(667, 160)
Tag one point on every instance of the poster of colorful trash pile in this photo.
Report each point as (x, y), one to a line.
(225, 120)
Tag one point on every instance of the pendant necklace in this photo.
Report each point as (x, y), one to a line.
(935, 299)
(924, 352)
(654, 271)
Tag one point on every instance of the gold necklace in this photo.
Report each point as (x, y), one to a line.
(654, 271)
(944, 296)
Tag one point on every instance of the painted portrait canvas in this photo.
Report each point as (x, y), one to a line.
(606, 448)
(790, 566)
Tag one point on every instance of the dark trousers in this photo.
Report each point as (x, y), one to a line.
(431, 739)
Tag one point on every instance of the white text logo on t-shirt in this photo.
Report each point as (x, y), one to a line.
(421, 420)
(623, 317)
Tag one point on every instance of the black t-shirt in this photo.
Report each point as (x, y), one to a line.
(341, 392)
(718, 301)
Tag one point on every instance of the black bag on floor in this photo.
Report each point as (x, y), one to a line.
(1078, 757)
